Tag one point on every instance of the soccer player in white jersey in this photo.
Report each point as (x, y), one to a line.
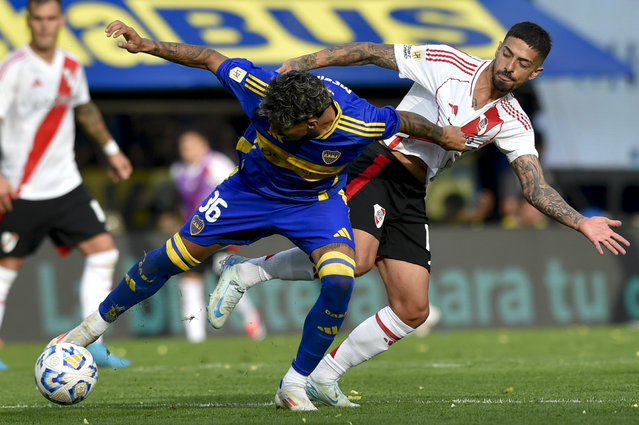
(386, 186)
(41, 190)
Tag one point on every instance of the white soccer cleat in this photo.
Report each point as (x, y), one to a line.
(228, 292)
(81, 335)
(330, 394)
(293, 397)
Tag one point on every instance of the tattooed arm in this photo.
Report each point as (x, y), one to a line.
(91, 121)
(382, 55)
(88, 116)
(183, 54)
(547, 200)
(449, 137)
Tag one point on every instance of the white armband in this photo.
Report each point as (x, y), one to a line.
(111, 148)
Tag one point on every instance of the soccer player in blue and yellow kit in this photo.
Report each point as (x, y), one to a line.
(304, 132)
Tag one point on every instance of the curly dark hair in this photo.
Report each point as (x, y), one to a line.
(533, 35)
(293, 98)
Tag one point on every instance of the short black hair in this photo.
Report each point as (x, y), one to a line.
(293, 98)
(39, 2)
(533, 35)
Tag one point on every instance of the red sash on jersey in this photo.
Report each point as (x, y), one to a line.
(49, 126)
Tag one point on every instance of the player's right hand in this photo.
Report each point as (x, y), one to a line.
(294, 64)
(133, 44)
(7, 193)
(453, 138)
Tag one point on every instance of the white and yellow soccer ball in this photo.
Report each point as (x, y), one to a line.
(66, 373)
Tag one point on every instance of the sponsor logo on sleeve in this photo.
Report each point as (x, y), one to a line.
(237, 74)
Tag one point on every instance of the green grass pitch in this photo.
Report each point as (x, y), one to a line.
(573, 375)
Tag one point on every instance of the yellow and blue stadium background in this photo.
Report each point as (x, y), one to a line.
(486, 277)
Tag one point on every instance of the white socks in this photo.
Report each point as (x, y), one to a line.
(293, 378)
(193, 315)
(97, 280)
(7, 276)
(292, 264)
(372, 337)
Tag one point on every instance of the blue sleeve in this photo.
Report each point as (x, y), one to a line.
(246, 81)
(391, 117)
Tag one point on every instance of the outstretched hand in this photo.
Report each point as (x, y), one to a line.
(598, 230)
(133, 43)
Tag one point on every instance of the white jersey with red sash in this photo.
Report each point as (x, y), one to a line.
(37, 101)
(443, 92)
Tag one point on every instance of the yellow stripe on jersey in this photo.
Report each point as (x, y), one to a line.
(338, 116)
(244, 145)
(257, 81)
(363, 125)
(305, 169)
(255, 85)
(362, 128)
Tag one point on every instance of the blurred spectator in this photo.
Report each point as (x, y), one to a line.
(196, 174)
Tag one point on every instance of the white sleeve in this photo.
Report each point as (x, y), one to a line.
(81, 94)
(516, 145)
(412, 65)
(8, 82)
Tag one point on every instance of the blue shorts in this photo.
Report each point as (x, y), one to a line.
(234, 213)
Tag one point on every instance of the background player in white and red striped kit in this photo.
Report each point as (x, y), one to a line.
(41, 190)
(386, 186)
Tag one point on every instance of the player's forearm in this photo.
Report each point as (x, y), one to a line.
(180, 53)
(91, 121)
(417, 126)
(382, 55)
(541, 195)
(548, 201)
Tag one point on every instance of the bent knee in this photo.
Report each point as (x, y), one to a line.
(413, 315)
(363, 266)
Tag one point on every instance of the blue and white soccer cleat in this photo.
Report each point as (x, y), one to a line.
(330, 394)
(228, 292)
(103, 357)
(293, 398)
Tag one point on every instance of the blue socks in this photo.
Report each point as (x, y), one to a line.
(336, 272)
(146, 277)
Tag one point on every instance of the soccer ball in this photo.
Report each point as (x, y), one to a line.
(66, 373)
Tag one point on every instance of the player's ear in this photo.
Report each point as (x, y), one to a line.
(536, 73)
(312, 123)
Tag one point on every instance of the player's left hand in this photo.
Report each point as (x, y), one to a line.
(598, 230)
(120, 167)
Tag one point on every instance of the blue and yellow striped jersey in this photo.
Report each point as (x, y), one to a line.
(314, 169)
